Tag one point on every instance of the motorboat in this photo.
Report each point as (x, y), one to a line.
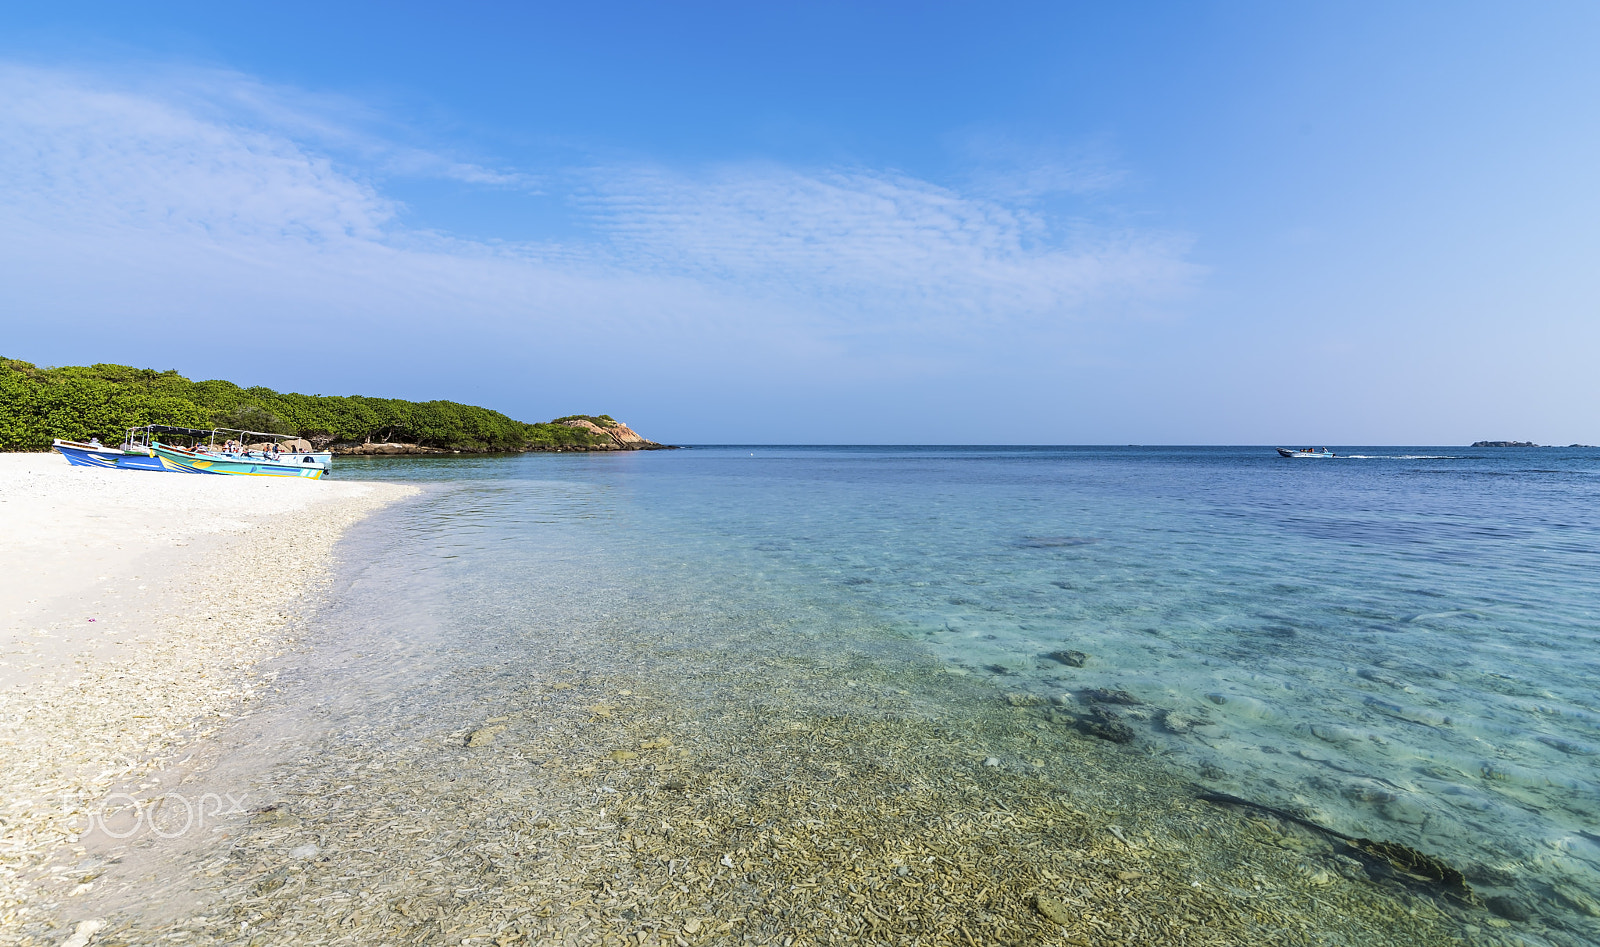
(219, 450)
(249, 463)
(95, 454)
(1305, 452)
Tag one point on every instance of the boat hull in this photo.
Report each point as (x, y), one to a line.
(212, 464)
(82, 455)
(1285, 452)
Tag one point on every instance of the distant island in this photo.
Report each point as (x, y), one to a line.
(105, 401)
(1504, 444)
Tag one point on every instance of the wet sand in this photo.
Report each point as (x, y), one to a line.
(134, 609)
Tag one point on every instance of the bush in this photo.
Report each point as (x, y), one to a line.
(104, 401)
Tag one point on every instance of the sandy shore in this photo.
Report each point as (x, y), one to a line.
(133, 607)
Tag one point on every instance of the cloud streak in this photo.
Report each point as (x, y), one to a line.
(857, 242)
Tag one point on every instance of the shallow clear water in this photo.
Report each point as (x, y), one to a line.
(1401, 644)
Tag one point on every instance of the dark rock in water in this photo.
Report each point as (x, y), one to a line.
(1055, 542)
(1115, 731)
(1075, 659)
(1104, 695)
(1504, 444)
(1491, 876)
(1411, 861)
(1106, 724)
(1000, 669)
(1512, 909)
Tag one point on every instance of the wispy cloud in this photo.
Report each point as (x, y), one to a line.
(76, 156)
(1005, 168)
(193, 192)
(856, 240)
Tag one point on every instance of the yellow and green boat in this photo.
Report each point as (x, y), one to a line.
(246, 464)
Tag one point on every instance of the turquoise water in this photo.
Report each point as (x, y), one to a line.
(1400, 644)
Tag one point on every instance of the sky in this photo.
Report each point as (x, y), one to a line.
(1054, 223)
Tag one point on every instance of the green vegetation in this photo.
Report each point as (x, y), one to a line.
(104, 401)
(598, 420)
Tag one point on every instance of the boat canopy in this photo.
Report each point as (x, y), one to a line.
(167, 429)
(246, 435)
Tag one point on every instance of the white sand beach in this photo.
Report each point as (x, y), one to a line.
(133, 609)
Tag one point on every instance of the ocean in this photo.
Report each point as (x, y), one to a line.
(1398, 644)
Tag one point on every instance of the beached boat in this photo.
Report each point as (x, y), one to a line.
(255, 453)
(239, 445)
(95, 454)
(132, 454)
(247, 463)
(1305, 452)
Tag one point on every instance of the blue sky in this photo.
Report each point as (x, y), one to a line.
(927, 223)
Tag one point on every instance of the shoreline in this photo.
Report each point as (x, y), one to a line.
(133, 611)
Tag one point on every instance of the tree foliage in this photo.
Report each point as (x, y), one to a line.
(104, 401)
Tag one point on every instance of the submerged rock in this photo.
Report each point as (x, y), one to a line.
(1075, 659)
(1053, 909)
(1024, 699)
(483, 736)
(1107, 725)
(1491, 875)
(1512, 909)
(1174, 721)
(1330, 733)
(1106, 695)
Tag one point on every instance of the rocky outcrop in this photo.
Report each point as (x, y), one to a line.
(385, 448)
(620, 436)
(1505, 444)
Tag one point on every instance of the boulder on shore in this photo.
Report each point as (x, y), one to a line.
(620, 435)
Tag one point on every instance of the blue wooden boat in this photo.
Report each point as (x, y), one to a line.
(94, 454)
(1305, 452)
